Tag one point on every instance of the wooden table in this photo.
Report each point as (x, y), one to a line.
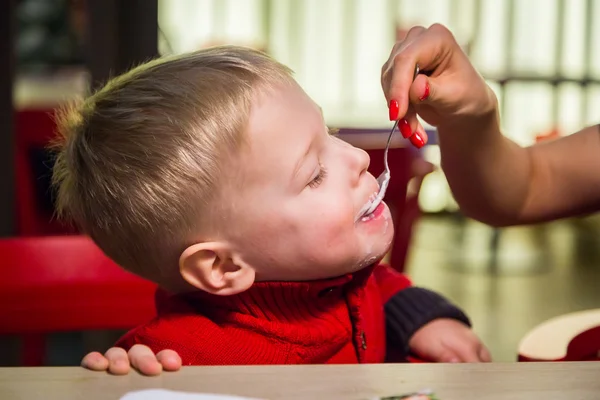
(538, 381)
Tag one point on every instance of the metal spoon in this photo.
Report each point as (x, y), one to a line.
(384, 178)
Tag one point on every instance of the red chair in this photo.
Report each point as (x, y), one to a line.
(570, 337)
(34, 130)
(65, 283)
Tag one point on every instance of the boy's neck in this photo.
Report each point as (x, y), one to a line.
(282, 300)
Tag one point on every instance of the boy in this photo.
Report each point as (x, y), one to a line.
(213, 174)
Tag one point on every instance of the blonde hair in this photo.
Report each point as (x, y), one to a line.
(138, 161)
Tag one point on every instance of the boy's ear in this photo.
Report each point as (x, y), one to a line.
(213, 268)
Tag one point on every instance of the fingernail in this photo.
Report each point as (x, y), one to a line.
(426, 92)
(405, 130)
(417, 140)
(454, 361)
(394, 107)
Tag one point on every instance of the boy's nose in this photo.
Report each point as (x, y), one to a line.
(360, 160)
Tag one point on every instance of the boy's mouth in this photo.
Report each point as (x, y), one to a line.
(370, 208)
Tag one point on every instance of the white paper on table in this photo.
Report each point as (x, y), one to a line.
(162, 394)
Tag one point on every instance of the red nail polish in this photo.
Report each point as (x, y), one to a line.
(426, 92)
(417, 140)
(394, 110)
(405, 128)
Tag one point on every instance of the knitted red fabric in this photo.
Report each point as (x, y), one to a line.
(338, 321)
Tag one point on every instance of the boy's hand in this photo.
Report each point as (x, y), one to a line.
(450, 341)
(452, 92)
(118, 362)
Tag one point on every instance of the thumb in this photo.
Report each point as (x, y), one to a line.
(423, 90)
(435, 100)
(437, 94)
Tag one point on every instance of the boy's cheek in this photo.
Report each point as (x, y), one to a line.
(335, 221)
(337, 242)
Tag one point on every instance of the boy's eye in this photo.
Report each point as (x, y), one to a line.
(317, 180)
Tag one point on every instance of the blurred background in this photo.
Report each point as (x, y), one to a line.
(537, 55)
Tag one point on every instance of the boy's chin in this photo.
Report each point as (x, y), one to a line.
(378, 251)
(350, 268)
(369, 260)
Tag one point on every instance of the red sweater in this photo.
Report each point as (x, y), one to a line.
(337, 321)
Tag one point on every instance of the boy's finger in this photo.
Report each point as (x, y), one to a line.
(118, 362)
(447, 356)
(467, 352)
(144, 360)
(95, 361)
(484, 354)
(169, 359)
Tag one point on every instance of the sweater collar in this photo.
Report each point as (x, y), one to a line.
(283, 301)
